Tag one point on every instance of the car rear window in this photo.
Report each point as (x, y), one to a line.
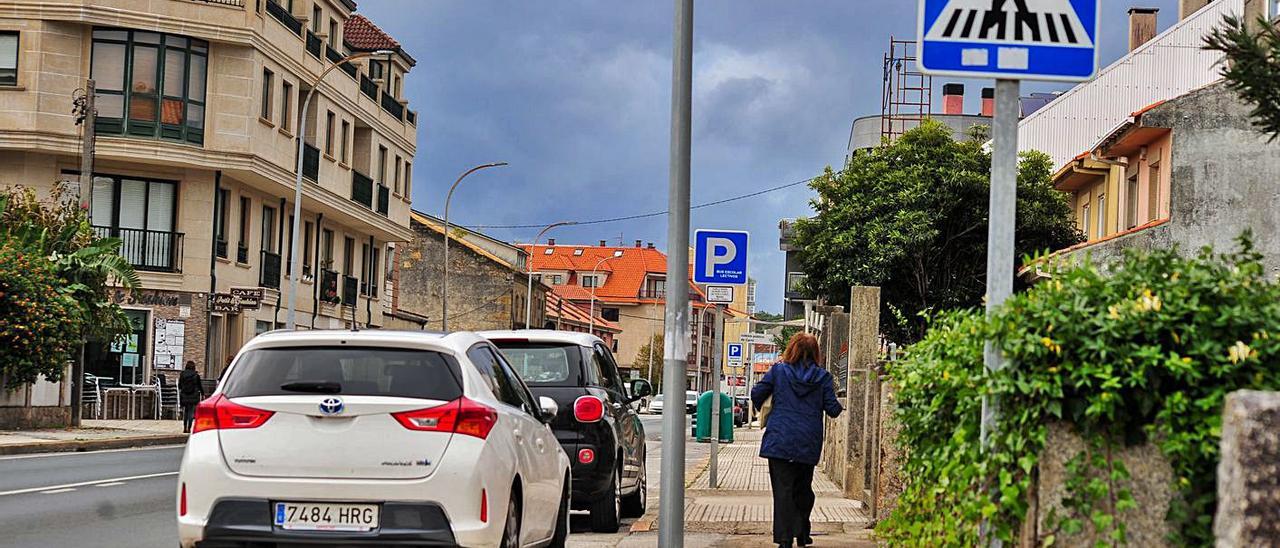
(544, 364)
(354, 371)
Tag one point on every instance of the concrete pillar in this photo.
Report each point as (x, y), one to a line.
(1142, 26)
(864, 347)
(1188, 7)
(1249, 471)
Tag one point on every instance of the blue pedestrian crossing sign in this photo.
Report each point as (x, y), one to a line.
(1011, 39)
(720, 257)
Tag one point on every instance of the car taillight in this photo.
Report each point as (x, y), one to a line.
(182, 501)
(220, 413)
(461, 416)
(484, 506)
(588, 409)
(586, 456)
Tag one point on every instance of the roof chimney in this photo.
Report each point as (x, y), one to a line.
(953, 98)
(603, 243)
(1142, 26)
(1188, 7)
(551, 241)
(637, 243)
(650, 245)
(988, 102)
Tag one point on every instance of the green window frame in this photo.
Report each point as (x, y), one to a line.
(150, 84)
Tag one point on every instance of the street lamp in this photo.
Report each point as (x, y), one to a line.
(444, 294)
(295, 256)
(595, 282)
(528, 267)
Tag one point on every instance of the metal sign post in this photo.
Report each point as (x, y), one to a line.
(1009, 40)
(720, 259)
(718, 364)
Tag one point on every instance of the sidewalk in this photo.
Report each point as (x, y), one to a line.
(93, 435)
(739, 513)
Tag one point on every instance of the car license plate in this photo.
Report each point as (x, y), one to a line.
(319, 516)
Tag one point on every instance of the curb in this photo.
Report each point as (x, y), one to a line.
(92, 445)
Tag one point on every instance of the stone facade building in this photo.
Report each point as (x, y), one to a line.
(198, 119)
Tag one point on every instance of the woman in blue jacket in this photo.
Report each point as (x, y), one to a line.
(802, 391)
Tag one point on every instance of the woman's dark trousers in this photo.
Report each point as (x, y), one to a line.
(793, 500)
(188, 416)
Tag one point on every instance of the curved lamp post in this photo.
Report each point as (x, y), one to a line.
(295, 257)
(528, 267)
(444, 294)
(595, 282)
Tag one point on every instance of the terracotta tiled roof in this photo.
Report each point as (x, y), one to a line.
(362, 35)
(559, 307)
(625, 274)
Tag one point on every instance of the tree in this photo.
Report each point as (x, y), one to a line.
(1253, 67)
(911, 218)
(783, 337)
(649, 359)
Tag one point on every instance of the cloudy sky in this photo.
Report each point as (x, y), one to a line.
(575, 94)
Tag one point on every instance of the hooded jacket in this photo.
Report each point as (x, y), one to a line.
(800, 396)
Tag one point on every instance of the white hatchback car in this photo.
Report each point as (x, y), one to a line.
(345, 437)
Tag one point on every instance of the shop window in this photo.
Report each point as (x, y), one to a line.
(8, 58)
(149, 84)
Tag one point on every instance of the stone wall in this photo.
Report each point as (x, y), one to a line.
(1249, 471)
(481, 291)
(888, 479)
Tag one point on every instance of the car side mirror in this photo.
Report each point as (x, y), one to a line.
(549, 409)
(640, 388)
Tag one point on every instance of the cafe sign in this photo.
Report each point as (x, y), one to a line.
(224, 302)
(250, 298)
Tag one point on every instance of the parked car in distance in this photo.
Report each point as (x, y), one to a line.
(690, 401)
(740, 404)
(345, 437)
(655, 406)
(597, 425)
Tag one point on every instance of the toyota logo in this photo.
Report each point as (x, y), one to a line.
(331, 406)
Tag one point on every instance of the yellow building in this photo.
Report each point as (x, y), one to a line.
(198, 117)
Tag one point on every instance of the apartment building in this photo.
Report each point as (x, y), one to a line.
(199, 113)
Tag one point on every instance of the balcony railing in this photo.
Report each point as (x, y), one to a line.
(314, 45)
(334, 56)
(310, 162)
(236, 3)
(656, 294)
(368, 87)
(150, 250)
(384, 200)
(392, 106)
(350, 288)
(284, 17)
(361, 189)
(270, 270)
(329, 286)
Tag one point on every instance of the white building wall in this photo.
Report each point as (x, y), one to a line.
(1168, 66)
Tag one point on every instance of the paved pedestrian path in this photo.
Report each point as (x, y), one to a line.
(93, 434)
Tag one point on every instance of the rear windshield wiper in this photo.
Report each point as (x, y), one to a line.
(314, 387)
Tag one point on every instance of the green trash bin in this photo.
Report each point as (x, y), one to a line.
(702, 418)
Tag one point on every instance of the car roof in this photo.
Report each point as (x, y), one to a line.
(458, 342)
(543, 336)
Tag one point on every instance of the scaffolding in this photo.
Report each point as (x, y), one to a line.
(908, 93)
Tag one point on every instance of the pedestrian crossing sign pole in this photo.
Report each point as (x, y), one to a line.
(1011, 41)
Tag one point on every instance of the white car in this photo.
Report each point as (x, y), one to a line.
(655, 406)
(340, 437)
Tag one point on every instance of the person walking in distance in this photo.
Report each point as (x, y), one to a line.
(802, 391)
(190, 392)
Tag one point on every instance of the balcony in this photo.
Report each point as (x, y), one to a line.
(329, 287)
(270, 270)
(384, 200)
(392, 106)
(361, 189)
(314, 45)
(149, 250)
(368, 88)
(310, 162)
(284, 17)
(654, 294)
(350, 288)
(334, 56)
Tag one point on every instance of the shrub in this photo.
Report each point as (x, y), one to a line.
(39, 321)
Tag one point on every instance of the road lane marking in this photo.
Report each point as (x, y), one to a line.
(56, 491)
(84, 484)
(112, 484)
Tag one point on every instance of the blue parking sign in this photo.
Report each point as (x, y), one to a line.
(735, 350)
(1012, 39)
(720, 257)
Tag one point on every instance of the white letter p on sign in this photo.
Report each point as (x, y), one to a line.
(720, 251)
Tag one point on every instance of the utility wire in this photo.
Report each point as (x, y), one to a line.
(655, 213)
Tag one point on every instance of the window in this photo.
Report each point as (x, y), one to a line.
(260, 327)
(220, 221)
(373, 272)
(286, 97)
(396, 173)
(1102, 215)
(149, 84)
(316, 16)
(1085, 217)
(502, 384)
(654, 288)
(333, 33)
(328, 133)
(267, 85)
(548, 251)
(268, 229)
(395, 85)
(556, 279)
(242, 248)
(141, 214)
(408, 170)
(326, 249)
(1131, 202)
(376, 69)
(609, 378)
(1153, 192)
(348, 256)
(8, 58)
(795, 281)
(1273, 8)
(382, 165)
(342, 145)
(307, 230)
(590, 280)
(610, 314)
(577, 253)
(288, 245)
(365, 266)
